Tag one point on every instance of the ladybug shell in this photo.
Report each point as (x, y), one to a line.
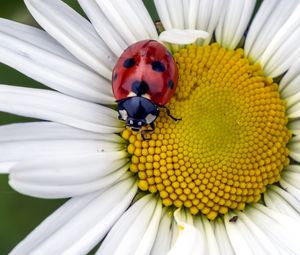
(148, 69)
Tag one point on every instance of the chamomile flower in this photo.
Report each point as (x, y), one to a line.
(223, 180)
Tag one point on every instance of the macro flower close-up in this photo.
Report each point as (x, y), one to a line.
(172, 137)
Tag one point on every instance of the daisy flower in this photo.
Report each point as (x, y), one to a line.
(223, 180)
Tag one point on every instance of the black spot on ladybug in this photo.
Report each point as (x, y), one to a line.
(140, 87)
(115, 76)
(129, 62)
(158, 66)
(170, 84)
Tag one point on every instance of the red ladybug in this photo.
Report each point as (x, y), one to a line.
(143, 80)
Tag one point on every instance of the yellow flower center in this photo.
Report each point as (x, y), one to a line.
(230, 143)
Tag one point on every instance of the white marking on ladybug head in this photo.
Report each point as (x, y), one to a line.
(131, 94)
(131, 122)
(146, 96)
(123, 114)
(150, 118)
(140, 123)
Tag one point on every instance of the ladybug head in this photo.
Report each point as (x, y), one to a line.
(137, 111)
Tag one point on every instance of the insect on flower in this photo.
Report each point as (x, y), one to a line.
(143, 81)
(234, 219)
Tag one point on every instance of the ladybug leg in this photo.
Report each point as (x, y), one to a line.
(169, 113)
(120, 117)
(143, 132)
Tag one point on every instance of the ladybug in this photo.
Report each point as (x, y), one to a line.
(143, 81)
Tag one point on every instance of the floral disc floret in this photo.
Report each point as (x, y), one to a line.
(230, 143)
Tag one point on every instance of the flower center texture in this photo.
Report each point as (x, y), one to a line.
(230, 143)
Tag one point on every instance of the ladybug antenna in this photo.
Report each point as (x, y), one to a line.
(169, 113)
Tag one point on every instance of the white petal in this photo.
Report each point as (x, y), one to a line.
(235, 18)
(188, 240)
(5, 167)
(294, 126)
(164, 15)
(129, 16)
(105, 29)
(34, 53)
(67, 176)
(53, 106)
(203, 13)
(81, 223)
(74, 32)
(186, 36)
(291, 100)
(174, 13)
(190, 11)
(135, 231)
(208, 237)
(294, 148)
(187, 217)
(270, 16)
(222, 238)
(292, 168)
(292, 177)
(16, 151)
(146, 244)
(120, 23)
(193, 14)
(174, 232)
(175, 9)
(162, 242)
(68, 169)
(279, 200)
(284, 56)
(236, 232)
(289, 84)
(293, 111)
(282, 230)
(260, 242)
(295, 191)
(209, 15)
(282, 47)
(189, 17)
(66, 190)
(34, 37)
(43, 130)
(37, 139)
